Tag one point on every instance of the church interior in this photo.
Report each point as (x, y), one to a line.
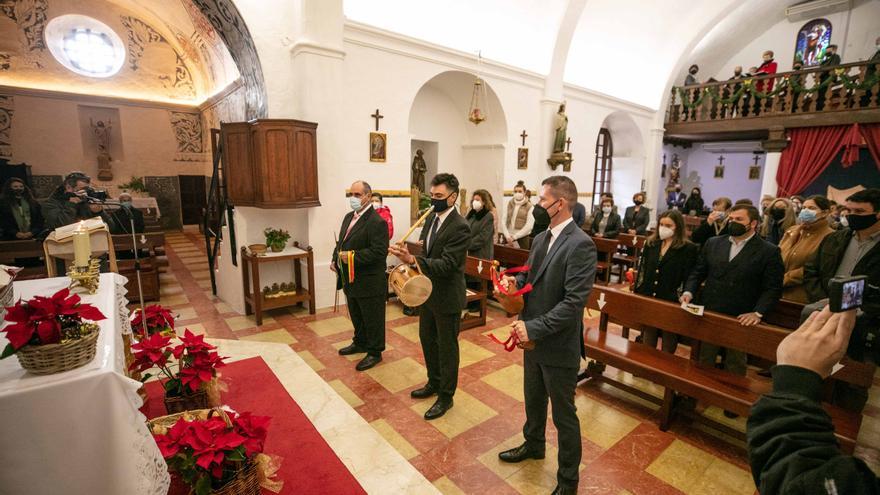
(194, 298)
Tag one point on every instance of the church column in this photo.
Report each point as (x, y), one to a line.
(651, 173)
(774, 145)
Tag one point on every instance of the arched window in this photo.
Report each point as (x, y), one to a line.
(602, 172)
(812, 40)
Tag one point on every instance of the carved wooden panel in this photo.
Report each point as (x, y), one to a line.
(238, 166)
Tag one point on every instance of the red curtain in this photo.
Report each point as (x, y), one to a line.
(871, 133)
(852, 141)
(809, 152)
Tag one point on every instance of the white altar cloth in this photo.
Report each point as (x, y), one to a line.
(78, 432)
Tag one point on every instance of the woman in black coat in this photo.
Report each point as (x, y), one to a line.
(636, 218)
(20, 214)
(606, 223)
(694, 203)
(481, 220)
(664, 267)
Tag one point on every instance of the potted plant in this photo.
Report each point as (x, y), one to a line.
(158, 320)
(189, 367)
(215, 451)
(276, 239)
(52, 334)
(135, 185)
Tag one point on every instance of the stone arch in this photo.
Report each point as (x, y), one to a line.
(628, 156)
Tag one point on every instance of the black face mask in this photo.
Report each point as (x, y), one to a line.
(737, 229)
(440, 205)
(541, 215)
(546, 210)
(861, 222)
(638, 202)
(777, 213)
(18, 194)
(695, 194)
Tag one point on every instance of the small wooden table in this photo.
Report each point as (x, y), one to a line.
(254, 302)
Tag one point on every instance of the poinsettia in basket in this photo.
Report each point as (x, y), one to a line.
(52, 334)
(158, 319)
(195, 362)
(217, 451)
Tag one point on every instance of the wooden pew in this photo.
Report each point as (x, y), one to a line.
(10, 251)
(146, 244)
(684, 376)
(510, 257)
(477, 268)
(786, 314)
(630, 248)
(691, 223)
(605, 251)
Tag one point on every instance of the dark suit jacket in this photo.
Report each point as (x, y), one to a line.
(752, 281)
(663, 277)
(638, 221)
(822, 267)
(8, 225)
(444, 263)
(369, 241)
(482, 226)
(554, 309)
(706, 231)
(120, 220)
(612, 228)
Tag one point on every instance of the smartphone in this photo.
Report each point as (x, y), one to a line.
(845, 293)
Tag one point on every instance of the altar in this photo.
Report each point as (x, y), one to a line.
(80, 431)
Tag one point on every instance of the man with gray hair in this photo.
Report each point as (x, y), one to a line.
(563, 267)
(359, 264)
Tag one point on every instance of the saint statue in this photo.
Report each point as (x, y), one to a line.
(102, 130)
(418, 171)
(561, 126)
(674, 173)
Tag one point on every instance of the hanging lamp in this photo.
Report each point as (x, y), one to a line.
(478, 111)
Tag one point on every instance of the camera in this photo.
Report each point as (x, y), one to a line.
(94, 194)
(845, 293)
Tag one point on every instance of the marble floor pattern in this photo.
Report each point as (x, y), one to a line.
(624, 452)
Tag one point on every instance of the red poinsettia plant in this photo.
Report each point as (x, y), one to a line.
(158, 319)
(208, 452)
(195, 361)
(48, 320)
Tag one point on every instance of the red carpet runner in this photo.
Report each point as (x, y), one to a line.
(309, 465)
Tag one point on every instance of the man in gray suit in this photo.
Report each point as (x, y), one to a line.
(563, 267)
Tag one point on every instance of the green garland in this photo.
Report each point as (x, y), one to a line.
(750, 86)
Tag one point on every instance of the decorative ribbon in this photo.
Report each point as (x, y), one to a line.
(510, 344)
(350, 267)
(496, 280)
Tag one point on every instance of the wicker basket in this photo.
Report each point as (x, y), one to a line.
(190, 402)
(246, 480)
(55, 358)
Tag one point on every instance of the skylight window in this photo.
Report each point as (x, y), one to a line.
(85, 45)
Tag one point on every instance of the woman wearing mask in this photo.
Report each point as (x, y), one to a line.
(716, 222)
(607, 223)
(694, 204)
(664, 266)
(797, 202)
(519, 220)
(20, 215)
(780, 217)
(482, 223)
(637, 217)
(800, 242)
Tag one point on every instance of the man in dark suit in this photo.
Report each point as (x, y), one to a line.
(563, 267)
(445, 238)
(743, 275)
(637, 217)
(359, 263)
(121, 218)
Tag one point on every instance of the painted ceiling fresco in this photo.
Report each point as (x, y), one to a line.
(173, 53)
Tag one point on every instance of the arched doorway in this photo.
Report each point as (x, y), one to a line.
(438, 126)
(624, 166)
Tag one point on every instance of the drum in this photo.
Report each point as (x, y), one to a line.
(411, 287)
(512, 304)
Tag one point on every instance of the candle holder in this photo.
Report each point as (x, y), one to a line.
(85, 277)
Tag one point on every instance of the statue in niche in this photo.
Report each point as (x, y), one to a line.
(674, 173)
(102, 130)
(560, 156)
(418, 171)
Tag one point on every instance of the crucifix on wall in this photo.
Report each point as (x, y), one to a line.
(378, 141)
(755, 170)
(522, 154)
(719, 169)
(568, 144)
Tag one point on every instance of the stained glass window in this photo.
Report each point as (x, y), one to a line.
(812, 41)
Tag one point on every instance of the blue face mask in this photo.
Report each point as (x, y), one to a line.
(354, 202)
(807, 216)
(125, 204)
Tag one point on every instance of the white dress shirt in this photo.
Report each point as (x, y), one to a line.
(737, 246)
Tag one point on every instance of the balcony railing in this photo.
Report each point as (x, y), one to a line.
(848, 87)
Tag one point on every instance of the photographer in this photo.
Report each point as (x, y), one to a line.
(71, 202)
(792, 449)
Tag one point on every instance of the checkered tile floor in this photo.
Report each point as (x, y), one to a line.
(624, 451)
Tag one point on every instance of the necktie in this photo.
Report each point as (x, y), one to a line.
(540, 254)
(435, 225)
(350, 225)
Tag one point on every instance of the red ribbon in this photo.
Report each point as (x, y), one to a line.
(496, 280)
(510, 344)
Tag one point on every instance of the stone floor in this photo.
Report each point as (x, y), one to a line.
(623, 450)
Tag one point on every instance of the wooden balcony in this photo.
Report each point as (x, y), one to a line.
(748, 108)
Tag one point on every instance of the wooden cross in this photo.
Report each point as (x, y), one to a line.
(524, 136)
(568, 144)
(721, 160)
(757, 158)
(377, 116)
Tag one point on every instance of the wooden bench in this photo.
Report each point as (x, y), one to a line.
(679, 375)
(605, 251)
(786, 314)
(13, 253)
(630, 248)
(146, 245)
(510, 257)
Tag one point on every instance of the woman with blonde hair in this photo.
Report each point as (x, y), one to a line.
(780, 217)
(801, 242)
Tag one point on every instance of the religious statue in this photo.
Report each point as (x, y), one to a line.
(418, 171)
(560, 156)
(674, 173)
(102, 131)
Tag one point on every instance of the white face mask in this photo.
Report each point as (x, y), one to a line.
(606, 209)
(518, 196)
(477, 205)
(377, 204)
(844, 221)
(354, 203)
(665, 232)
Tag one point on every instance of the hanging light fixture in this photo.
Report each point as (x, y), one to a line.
(478, 111)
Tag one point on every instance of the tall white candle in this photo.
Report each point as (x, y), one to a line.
(82, 246)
